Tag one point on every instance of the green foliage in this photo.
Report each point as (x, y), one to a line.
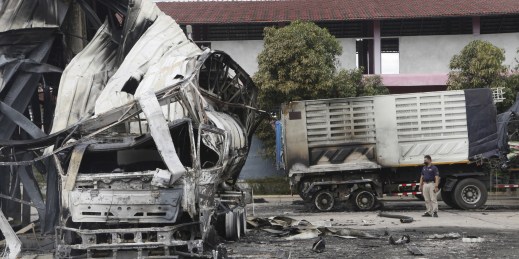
(299, 62)
(352, 83)
(270, 185)
(479, 65)
(267, 134)
(511, 82)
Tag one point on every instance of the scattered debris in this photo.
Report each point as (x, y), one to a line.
(403, 240)
(283, 254)
(220, 252)
(403, 219)
(305, 234)
(348, 233)
(319, 245)
(14, 245)
(452, 235)
(414, 249)
(293, 229)
(472, 239)
(21, 231)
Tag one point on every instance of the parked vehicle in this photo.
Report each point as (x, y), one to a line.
(359, 149)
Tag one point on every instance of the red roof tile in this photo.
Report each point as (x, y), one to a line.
(212, 12)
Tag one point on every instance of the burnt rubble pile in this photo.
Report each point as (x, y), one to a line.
(147, 137)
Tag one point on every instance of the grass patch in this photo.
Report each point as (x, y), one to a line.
(270, 186)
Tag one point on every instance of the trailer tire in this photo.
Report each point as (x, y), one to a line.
(243, 222)
(364, 200)
(324, 200)
(470, 193)
(299, 189)
(232, 226)
(448, 198)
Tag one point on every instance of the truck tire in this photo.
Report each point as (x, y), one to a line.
(324, 200)
(448, 198)
(243, 222)
(299, 189)
(470, 193)
(232, 226)
(363, 200)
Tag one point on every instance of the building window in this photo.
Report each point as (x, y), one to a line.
(348, 29)
(390, 56)
(499, 24)
(430, 26)
(222, 32)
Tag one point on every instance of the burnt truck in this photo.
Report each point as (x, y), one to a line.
(157, 176)
(149, 135)
(359, 150)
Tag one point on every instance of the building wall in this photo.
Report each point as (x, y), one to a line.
(256, 166)
(418, 54)
(245, 52)
(348, 57)
(432, 54)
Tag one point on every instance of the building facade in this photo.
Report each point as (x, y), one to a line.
(385, 37)
(408, 42)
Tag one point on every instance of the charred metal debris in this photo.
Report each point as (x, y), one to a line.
(147, 138)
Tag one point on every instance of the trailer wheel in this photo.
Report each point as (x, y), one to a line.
(232, 226)
(448, 198)
(243, 222)
(363, 200)
(299, 189)
(324, 200)
(470, 193)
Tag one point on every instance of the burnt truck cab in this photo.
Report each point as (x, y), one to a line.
(359, 149)
(158, 175)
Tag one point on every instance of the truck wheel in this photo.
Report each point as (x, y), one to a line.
(448, 198)
(232, 226)
(300, 188)
(363, 200)
(470, 193)
(243, 222)
(324, 200)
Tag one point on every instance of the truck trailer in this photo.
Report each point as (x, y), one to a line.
(360, 149)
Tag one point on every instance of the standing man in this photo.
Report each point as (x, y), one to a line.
(429, 187)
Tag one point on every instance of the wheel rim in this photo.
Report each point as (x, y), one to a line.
(471, 194)
(365, 200)
(324, 201)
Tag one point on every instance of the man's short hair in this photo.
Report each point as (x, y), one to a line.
(428, 157)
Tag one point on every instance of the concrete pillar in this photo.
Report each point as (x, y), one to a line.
(476, 26)
(377, 48)
(370, 55)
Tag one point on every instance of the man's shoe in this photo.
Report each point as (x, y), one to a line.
(426, 214)
(435, 214)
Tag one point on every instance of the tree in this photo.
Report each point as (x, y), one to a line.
(479, 65)
(299, 62)
(511, 86)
